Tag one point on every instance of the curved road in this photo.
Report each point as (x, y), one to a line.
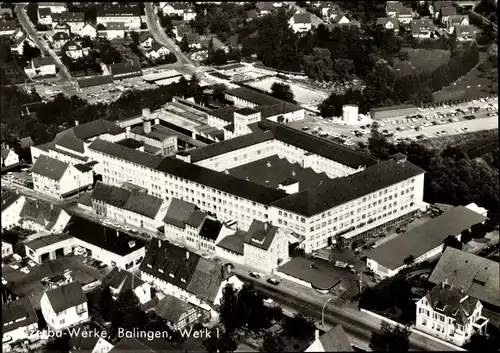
(64, 74)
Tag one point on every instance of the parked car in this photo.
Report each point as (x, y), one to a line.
(273, 281)
(254, 275)
(25, 270)
(31, 263)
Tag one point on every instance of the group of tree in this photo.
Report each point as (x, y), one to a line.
(282, 91)
(390, 338)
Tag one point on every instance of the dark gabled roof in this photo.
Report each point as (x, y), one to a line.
(206, 280)
(465, 31)
(84, 167)
(230, 145)
(8, 198)
(122, 280)
(325, 148)
(448, 11)
(267, 6)
(247, 111)
(267, 111)
(62, 25)
(39, 212)
(210, 229)
(8, 25)
(144, 36)
(157, 46)
(196, 219)
(260, 234)
(60, 36)
(448, 300)
(125, 70)
(438, 5)
(68, 140)
(143, 204)
(96, 128)
(479, 277)
(302, 18)
(179, 212)
(456, 19)
(95, 81)
(126, 153)
(44, 11)
(84, 343)
(43, 61)
(336, 340)
(341, 190)
(66, 296)
(253, 96)
(393, 6)
(233, 242)
(405, 11)
(418, 25)
(381, 21)
(107, 238)
(46, 241)
(220, 181)
(113, 195)
(425, 237)
(172, 309)
(18, 309)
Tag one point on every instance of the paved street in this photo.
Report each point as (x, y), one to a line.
(41, 44)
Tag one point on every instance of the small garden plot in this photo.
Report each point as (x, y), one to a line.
(421, 60)
(302, 94)
(254, 74)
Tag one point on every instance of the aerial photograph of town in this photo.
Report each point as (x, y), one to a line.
(250, 176)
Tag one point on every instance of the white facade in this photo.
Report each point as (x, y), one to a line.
(130, 22)
(71, 181)
(36, 254)
(88, 31)
(7, 249)
(58, 226)
(143, 292)
(27, 330)
(112, 33)
(300, 26)
(67, 318)
(159, 53)
(188, 15)
(456, 20)
(350, 113)
(10, 215)
(270, 259)
(54, 7)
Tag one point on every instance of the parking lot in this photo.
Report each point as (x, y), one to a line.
(23, 177)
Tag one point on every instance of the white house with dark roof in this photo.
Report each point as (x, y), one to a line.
(120, 281)
(157, 51)
(75, 20)
(42, 216)
(60, 179)
(178, 313)
(7, 28)
(422, 28)
(392, 7)
(465, 33)
(146, 40)
(64, 306)
(264, 8)
(333, 340)
(128, 206)
(456, 20)
(173, 8)
(17, 43)
(389, 23)
(114, 30)
(300, 22)
(83, 341)
(186, 275)
(55, 7)
(74, 50)
(188, 14)
(446, 12)
(60, 27)
(44, 66)
(9, 157)
(49, 247)
(127, 14)
(59, 39)
(404, 14)
(44, 16)
(89, 30)
(422, 242)
(19, 321)
(447, 313)
(12, 204)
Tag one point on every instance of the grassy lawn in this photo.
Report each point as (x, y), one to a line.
(460, 139)
(470, 86)
(421, 60)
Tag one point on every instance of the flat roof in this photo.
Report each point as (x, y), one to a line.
(161, 75)
(273, 171)
(47, 240)
(424, 238)
(158, 132)
(321, 276)
(176, 118)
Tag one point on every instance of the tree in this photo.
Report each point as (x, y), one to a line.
(127, 314)
(478, 231)
(229, 315)
(465, 236)
(184, 45)
(390, 339)
(319, 64)
(484, 342)
(222, 344)
(219, 57)
(101, 27)
(282, 91)
(58, 344)
(299, 327)
(408, 261)
(453, 242)
(134, 36)
(106, 302)
(252, 311)
(218, 91)
(272, 344)
(29, 52)
(343, 70)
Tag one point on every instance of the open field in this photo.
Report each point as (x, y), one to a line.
(469, 86)
(302, 94)
(421, 60)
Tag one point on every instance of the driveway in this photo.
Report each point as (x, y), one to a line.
(64, 74)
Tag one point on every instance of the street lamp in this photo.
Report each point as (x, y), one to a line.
(323, 312)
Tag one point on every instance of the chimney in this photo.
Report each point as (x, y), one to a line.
(293, 173)
(269, 164)
(316, 334)
(147, 126)
(462, 290)
(51, 206)
(159, 243)
(187, 255)
(77, 123)
(266, 226)
(146, 112)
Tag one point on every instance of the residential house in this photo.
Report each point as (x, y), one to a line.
(124, 70)
(74, 50)
(449, 314)
(12, 204)
(456, 20)
(41, 216)
(120, 281)
(392, 7)
(113, 247)
(44, 66)
(82, 341)
(178, 313)
(7, 249)
(422, 243)
(173, 8)
(446, 12)
(157, 51)
(465, 33)
(436, 6)
(265, 246)
(18, 42)
(113, 30)
(300, 22)
(89, 30)
(477, 276)
(264, 8)
(64, 306)
(404, 14)
(55, 7)
(194, 41)
(389, 23)
(181, 31)
(328, 9)
(59, 39)
(127, 14)
(9, 157)
(188, 15)
(45, 16)
(128, 206)
(146, 40)
(19, 321)
(60, 179)
(422, 28)
(186, 275)
(340, 20)
(333, 340)
(62, 27)
(175, 220)
(75, 20)
(7, 28)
